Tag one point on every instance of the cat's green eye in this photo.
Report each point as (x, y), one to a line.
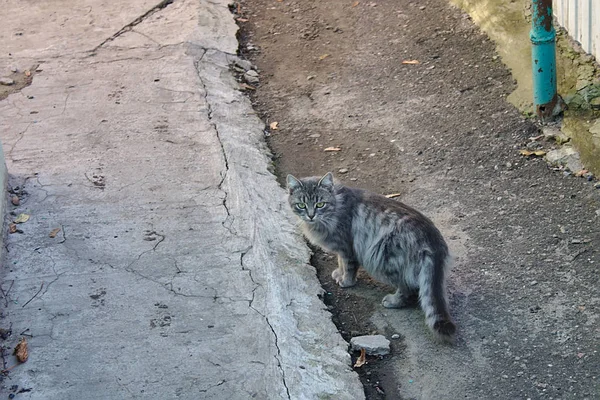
(301, 206)
(320, 205)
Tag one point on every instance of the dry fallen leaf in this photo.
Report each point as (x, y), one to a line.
(12, 228)
(362, 359)
(324, 56)
(274, 125)
(54, 232)
(410, 62)
(241, 19)
(27, 73)
(528, 153)
(355, 4)
(21, 218)
(245, 86)
(332, 149)
(21, 350)
(391, 196)
(581, 173)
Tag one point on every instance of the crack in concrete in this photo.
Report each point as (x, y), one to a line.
(21, 135)
(138, 20)
(212, 386)
(229, 220)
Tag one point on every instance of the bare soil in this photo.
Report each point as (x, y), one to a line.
(437, 130)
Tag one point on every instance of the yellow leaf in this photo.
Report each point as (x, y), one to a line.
(324, 56)
(528, 153)
(54, 232)
(274, 125)
(362, 359)
(332, 149)
(410, 62)
(21, 218)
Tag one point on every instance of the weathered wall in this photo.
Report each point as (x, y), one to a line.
(577, 17)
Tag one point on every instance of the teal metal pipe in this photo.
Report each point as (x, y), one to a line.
(543, 56)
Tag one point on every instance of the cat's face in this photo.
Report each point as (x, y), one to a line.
(312, 199)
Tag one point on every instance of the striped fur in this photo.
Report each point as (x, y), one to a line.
(394, 243)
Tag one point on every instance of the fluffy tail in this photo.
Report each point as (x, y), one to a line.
(432, 295)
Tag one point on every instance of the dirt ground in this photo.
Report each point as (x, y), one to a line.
(524, 290)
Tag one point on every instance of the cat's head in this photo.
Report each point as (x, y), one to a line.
(312, 199)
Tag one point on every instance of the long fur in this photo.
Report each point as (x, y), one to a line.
(393, 242)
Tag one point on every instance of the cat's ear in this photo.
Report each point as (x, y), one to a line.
(293, 183)
(327, 181)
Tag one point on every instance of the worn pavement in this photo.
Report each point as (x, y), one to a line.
(176, 271)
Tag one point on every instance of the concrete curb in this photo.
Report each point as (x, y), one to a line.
(3, 201)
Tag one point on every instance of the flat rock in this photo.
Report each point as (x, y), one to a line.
(566, 156)
(6, 81)
(376, 345)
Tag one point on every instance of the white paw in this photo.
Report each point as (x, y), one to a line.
(391, 301)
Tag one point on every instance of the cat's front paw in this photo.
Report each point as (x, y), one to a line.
(341, 279)
(337, 275)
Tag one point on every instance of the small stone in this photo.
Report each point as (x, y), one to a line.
(395, 336)
(343, 170)
(597, 185)
(373, 344)
(598, 212)
(6, 81)
(244, 64)
(250, 78)
(315, 135)
(15, 200)
(308, 78)
(533, 283)
(252, 73)
(13, 69)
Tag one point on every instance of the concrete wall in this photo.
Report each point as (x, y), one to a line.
(581, 18)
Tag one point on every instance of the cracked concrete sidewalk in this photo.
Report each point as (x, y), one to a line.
(177, 272)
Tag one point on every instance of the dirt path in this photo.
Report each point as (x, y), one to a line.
(524, 290)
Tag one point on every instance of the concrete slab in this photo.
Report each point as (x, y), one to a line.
(177, 271)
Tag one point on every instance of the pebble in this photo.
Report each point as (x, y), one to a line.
(250, 78)
(252, 73)
(597, 185)
(244, 64)
(373, 344)
(15, 200)
(6, 81)
(395, 336)
(343, 170)
(315, 135)
(13, 69)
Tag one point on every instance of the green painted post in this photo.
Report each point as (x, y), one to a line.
(543, 55)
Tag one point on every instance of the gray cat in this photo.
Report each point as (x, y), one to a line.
(393, 242)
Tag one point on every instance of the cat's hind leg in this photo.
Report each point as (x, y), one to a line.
(401, 298)
(345, 274)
